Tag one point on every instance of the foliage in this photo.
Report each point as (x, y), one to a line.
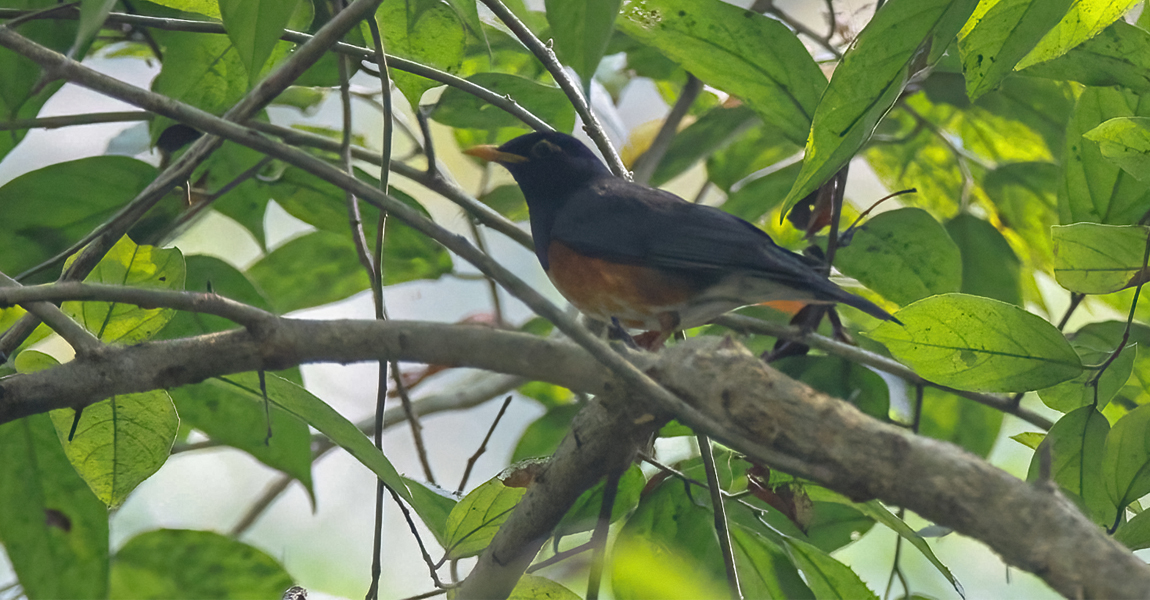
(1022, 124)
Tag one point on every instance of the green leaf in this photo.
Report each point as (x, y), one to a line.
(905, 255)
(477, 517)
(1135, 534)
(979, 344)
(461, 110)
(989, 266)
(507, 200)
(54, 530)
(48, 209)
(134, 266)
(904, 37)
(180, 563)
(231, 410)
(959, 421)
(999, 34)
(841, 378)
(765, 570)
(1120, 55)
(760, 147)
(668, 548)
(254, 27)
(208, 8)
(1030, 439)
(425, 31)
(714, 130)
(1126, 458)
(1090, 258)
(433, 504)
(204, 71)
(1077, 392)
(334, 272)
(875, 510)
(584, 513)
(1026, 196)
(1125, 141)
(92, 16)
(1084, 20)
(827, 577)
(408, 254)
(1076, 445)
(119, 442)
(581, 30)
(1093, 188)
(315, 412)
(756, 198)
(738, 51)
(534, 587)
(542, 436)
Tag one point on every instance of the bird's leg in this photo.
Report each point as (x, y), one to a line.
(616, 331)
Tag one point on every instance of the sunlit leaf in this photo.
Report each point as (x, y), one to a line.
(902, 38)
(254, 26)
(979, 344)
(581, 29)
(989, 266)
(1090, 258)
(1120, 55)
(476, 518)
(999, 34)
(1126, 142)
(1084, 20)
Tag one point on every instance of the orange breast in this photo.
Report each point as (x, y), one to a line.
(636, 295)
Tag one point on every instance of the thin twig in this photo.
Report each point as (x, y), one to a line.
(768, 7)
(1129, 321)
(720, 514)
(192, 26)
(81, 340)
(561, 556)
(418, 538)
(482, 446)
(646, 165)
(257, 509)
(547, 57)
(599, 535)
(75, 120)
(413, 421)
(206, 202)
(431, 594)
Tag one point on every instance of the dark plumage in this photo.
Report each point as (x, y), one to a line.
(653, 260)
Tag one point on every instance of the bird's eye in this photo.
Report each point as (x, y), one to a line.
(544, 148)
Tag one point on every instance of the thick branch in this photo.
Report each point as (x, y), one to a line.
(774, 419)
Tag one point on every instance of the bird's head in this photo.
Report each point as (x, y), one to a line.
(545, 164)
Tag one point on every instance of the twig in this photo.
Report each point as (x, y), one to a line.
(896, 569)
(73, 120)
(596, 347)
(483, 213)
(191, 26)
(431, 594)
(768, 6)
(205, 203)
(81, 340)
(1126, 332)
(720, 514)
(482, 446)
(561, 556)
(647, 164)
(198, 302)
(43, 13)
(413, 421)
(882, 363)
(261, 505)
(551, 63)
(599, 535)
(428, 143)
(418, 538)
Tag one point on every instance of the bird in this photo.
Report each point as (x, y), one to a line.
(629, 254)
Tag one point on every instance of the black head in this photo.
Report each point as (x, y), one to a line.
(546, 165)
